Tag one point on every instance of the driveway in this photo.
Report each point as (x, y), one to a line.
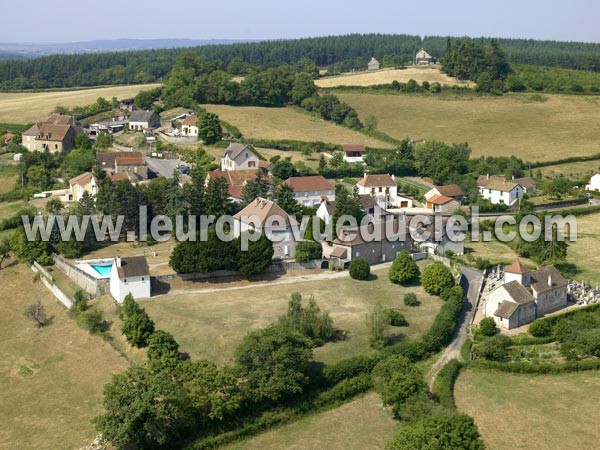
(163, 167)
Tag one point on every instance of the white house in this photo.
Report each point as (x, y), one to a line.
(502, 192)
(130, 275)
(594, 183)
(450, 190)
(354, 153)
(239, 157)
(382, 187)
(266, 217)
(189, 126)
(311, 190)
(86, 182)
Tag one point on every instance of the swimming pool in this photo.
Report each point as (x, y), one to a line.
(102, 269)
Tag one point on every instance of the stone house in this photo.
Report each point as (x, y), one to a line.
(423, 58)
(143, 120)
(55, 134)
(373, 64)
(451, 190)
(442, 204)
(383, 188)
(236, 180)
(131, 164)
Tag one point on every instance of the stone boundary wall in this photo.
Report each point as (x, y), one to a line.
(95, 287)
(48, 281)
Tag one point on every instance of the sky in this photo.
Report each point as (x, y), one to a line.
(69, 21)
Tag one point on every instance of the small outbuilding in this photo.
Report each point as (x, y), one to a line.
(373, 64)
(130, 275)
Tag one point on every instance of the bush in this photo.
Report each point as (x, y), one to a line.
(443, 387)
(91, 320)
(487, 326)
(163, 348)
(138, 328)
(437, 278)
(80, 301)
(494, 348)
(307, 250)
(411, 299)
(348, 368)
(396, 318)
(540, 328)
(404, 270)
(309, 321)
(378, 326)
(360, 269)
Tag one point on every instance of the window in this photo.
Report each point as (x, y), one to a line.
(55, 146)
(142, 278)
(380, 189)
(251, 163)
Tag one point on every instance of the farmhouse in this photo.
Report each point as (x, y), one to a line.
(131, 164)
(501, 192)
(383, 188)
(143, 120)
(239, 157)
(129, 275)
(312, 190)
(55, 134)
(524, 295)
(236, 180)
(452, 190)
(86, 182)
(423, 58)
(373, 64)
(354, 153)
(266, 217)
(189, 126)
(594, 183)
(528, 184)
(442, 204)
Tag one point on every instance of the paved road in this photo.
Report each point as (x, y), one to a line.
(163, 167)
(471, 280)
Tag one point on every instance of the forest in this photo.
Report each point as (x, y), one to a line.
(337, 53)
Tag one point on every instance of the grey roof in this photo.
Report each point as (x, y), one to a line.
(506, 309)
(518, 292)
(539, 279)
(235, 149)
(141, 116)
(133, 266)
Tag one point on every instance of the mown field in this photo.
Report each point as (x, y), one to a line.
(386, 76)
(361, 424)
(51, 378)
(575, 169)
(585, 253)
(523, 412)
(516, 124)
(211, 324)
(288, 123)
(26, 107)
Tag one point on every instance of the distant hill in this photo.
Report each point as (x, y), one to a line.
(30, 50)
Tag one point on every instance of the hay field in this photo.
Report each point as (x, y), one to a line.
(361, 424)
(543, 412)
(288, 123)
(585, 253)
(560, 126)
(575, 169)
(26, 107)
(51, 378)
(386, 76)
(211, 324)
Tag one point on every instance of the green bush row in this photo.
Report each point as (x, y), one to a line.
(443, 388)
(529, 368)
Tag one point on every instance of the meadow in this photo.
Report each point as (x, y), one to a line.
(52, 378)
(288, 123)
(211, 324)
(27, 107)
(523, 411)
(533, 127)
(386, 76)
(585, 253)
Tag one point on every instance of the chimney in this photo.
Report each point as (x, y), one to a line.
(364, 174)
(550, 280)
(513, 177)
(118, 260)
(394, 177)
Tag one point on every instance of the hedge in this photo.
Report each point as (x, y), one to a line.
(443, 388)
(553, 320)
(528, 368)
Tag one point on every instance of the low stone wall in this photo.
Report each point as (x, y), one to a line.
(95, 287)
(48, 281)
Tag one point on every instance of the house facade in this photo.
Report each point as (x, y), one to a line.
(451, 190)
(143, 120)
(422, 58)
(382, 187)
(131, 164)
(373, 64)
(442, 204)
(239, 157)
(130, 275)
(311, 190)
(594, 183)
(55, 134)
(354, 153)
(502, 192)
(86, 182)
(189, 126)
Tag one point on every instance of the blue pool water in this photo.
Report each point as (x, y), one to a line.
(103, 270)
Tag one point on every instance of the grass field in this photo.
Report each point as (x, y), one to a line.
(585, 253)
(575, 170)
(495, 126)
(210, 325)
(541, 412)
(386, 76)
(25, 107)
(51, 378)
(288, 123)
(361, 424)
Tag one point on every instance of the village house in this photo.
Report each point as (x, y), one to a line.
(594, 183)
(311, 190)
(239, 157)
(55, 134)
(130, 275)
(384, 189)
(236, 180)
(189, 126)
(373, 64)
(442, 204)
(451, 190)
(423, 58)
(524, 295)
(132, 164)
(86, 182)
(500, 192)
(143, 121)
(354, 153)
(528, 184)
(368, 203)
(377, 242)
(449, 238)
(127, 105)
(266, 217)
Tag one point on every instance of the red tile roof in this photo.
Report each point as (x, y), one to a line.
(517, 267)
(312, 183)
(377, 180)
(353, 148)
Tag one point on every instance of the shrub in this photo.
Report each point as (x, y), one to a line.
(91, 320)
(444, 383)
(80, 301)
(404, 270)
(396, 318)
(360, 269)
(307, 250)
(411, 299)
(163, 348)
(487, 326)
(494, 348)
(540, 328)
(309, 321)
(348, 368)
(378, 326)
(437, 278)
(138, 328)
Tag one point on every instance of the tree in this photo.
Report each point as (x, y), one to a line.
(493, 348)
(144, 100)
(54, 206)
(163, 349)
(347, 204)
(138, 328)
(309, 321)
(397, 380)
(257, 258)
(103, 141)
(29, 251)
(378, 326)
(303, 87)
(287, 201)
(410, 299)
(404, 269)
(360, 269)
(307, 250)
(273, 362)
(39, 177)
(438, 431)
(437, 278)
(487, 326)
(284, 169)
(216, 197)
(257, 187)
(210, 130)
(371, 122)
(82, 141)
(37, 313)
(4, 250)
